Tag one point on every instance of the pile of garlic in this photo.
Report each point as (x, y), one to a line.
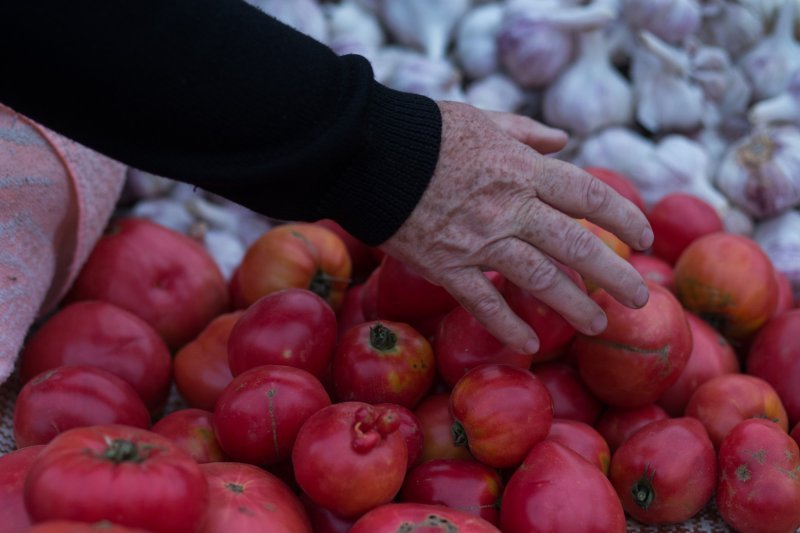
(699, 96)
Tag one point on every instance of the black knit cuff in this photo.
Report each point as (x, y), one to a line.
(393, 167)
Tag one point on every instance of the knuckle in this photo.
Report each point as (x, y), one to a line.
(596, 195)
(544, 277)
(487, 306)
(580, 244)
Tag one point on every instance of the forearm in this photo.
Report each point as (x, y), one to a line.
(215, 93)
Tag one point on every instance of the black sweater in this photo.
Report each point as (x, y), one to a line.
(218, 94)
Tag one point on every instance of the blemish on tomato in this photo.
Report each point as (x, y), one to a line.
(743, 472)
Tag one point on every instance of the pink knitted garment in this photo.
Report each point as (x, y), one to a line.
(55, 199)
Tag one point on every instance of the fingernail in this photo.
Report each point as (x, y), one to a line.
(641, 297)
(532, 346)
(647, 238)
(599, 324)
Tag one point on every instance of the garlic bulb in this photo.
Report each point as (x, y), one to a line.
(590, 94)
(784, 108)
(421, 24)
(434, 78)
(666, 99)
(770, 65)
(226, 249)
(734, 220)
(732, 25)
(496, 92)
(779, 237)
(165, 211)
(353, 30)
(618, 149)
(535, 41)
(303, 15)
(671, 20)
(476, 40)
(761, 172)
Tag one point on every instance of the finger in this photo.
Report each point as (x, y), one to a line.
(480, 297)
(579, 194)
(532, 271)
(541, 138)
(566, 240)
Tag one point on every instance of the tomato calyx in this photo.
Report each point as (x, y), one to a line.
(382, 338)
(459, 434)
(643, 491)
(238, 488)
(125, 451)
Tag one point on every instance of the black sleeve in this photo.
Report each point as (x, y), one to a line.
(218, 94)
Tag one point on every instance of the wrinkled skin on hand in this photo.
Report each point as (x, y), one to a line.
(496, 203)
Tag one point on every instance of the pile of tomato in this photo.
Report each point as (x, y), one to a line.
(330, 388)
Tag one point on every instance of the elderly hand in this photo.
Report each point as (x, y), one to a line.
(496, 203)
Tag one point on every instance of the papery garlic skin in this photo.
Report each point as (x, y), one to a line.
(303, 15)
(423, 24)
(435, 78)
(496, 92)
(536, 39)
(666, 99)
(353, 30)
(732, 25)
(590, 95)
(781, 109)
(761, 172)
(476, 40)
(770, 64)
(226, 250)
(167, 212)
(779, 237)
(671, 20)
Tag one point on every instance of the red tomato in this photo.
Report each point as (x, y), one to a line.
(462, 484)
(462, 343)
(352, 312)
(619, 183)
(555, 489)
(103, 335)
(350, 457)
(553, 330)
(129, 475)
(775, 357)
(395, 517)
(500, 412)
(437, 422)
(654, 269)
(383, 361)
(405, 296)
(160, 275)
(361, 256)
(192, 431)
(201, 366)
(711, 356)
(759, 485)
(411, 429)
(302, 256)
(245, 498)
(13, 470)
(640, 354)
(608, 238)
(785, 293)
(72, 526)
(618, 425)
(323, 520)
(582, 439)
(292, 327)
(729, 281)
(666, 472)
(237, 301)
(260, 412)
(571, 399)
(74, 396)
(755, 398)
(678, 219)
